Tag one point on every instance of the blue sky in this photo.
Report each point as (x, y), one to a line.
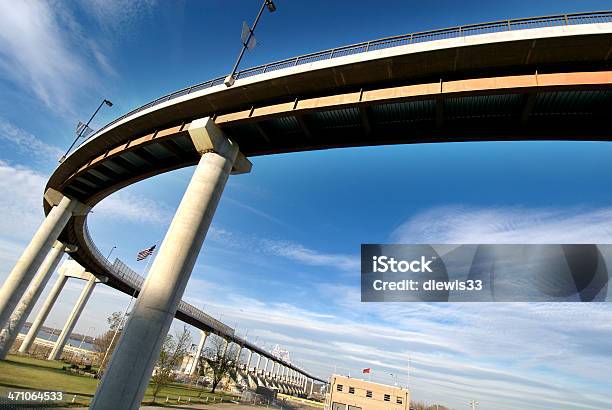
(281, 260)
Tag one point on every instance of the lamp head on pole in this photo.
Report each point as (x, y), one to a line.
(107, 102)
(271, 6)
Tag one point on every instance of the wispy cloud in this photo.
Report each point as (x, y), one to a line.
(27, 143)
(127, 206)
(44, 51)
(456, 351)
(257, 212)
(301, 254)
(286, 249)
(21, 203)
(118, 16)
(460, 224)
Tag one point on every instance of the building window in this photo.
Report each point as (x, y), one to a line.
(369, 393)
(387, 397)
(338, 406)
(399, 400)
(339, 387)
(351, 390)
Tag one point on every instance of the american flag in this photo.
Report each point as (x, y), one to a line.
(145, 253)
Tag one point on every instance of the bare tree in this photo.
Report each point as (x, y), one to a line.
(107, 341)
(171, 355)
(221, 359)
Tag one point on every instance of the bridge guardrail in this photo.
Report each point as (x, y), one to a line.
(120, 270)
(388, 42)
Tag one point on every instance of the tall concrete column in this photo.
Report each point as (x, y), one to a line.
(72, 319)
(238, 355)
(123, 384)
(248, 363)
(258, 361)
(43, 313)
(32, 257)
(29, 299)
(225, 347)
(265, 369)
(311, 386)
(196, 358)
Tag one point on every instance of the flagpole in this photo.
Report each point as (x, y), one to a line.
(144, 272)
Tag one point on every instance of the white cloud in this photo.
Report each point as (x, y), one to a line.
(532, 356)
(458, 224)
(287, 249)
(127, 206)
(21, 201)
(22, 211)
(299, 253)
(118, 16)
(44, 51)
(27, 143)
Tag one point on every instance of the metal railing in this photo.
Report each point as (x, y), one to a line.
(388, 42)
(123, 272)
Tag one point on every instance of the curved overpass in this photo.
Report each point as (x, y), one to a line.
(541, 78)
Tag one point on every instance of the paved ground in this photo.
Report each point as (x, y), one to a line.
(224, 406)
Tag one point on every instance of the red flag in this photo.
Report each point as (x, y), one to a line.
(366, 371)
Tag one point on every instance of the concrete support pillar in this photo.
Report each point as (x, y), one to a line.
(265, 369)
(248, 363)
(196, 358)
(72, 319)
(225, 347)
(258, 361)
(42, 315)
(238, 355)
(29, 299)
(123, 384)
(32, 257)
(311, 386)
(273, 371)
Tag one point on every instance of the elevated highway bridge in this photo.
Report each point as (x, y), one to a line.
(544, 78)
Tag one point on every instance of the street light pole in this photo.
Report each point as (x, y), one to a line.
(111, 251)
(230, 79)
(104, 101)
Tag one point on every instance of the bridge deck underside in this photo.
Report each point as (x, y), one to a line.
(564, 114)
(578, 112)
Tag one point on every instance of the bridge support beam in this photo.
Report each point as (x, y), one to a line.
(257, 364)
(43, 313)
(248, 362)
(124, 383)
(196, 358)
(29, 299)
(72, 319)
(311, 387)
(32, 257)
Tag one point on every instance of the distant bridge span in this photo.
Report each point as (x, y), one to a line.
(547, 78)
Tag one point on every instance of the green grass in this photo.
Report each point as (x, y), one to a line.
(23, 372)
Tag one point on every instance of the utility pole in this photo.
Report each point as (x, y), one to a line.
(474, 404)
